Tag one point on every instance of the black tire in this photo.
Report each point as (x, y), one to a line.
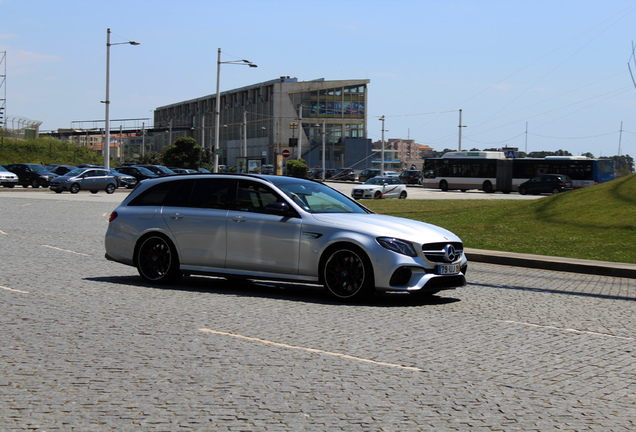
(93, 191)
(10, 186)
(346, 273)
(378, 195)
(443, 185)
(555, 191)
(110, 188)
(58, 190)
(156, 260)
(34, 184)
(487, 187)
(403, 195)
(75, 188)
(523, 191)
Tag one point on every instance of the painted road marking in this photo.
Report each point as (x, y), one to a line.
(311, 350)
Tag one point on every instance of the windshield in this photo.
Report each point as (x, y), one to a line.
(145, 171)
(318, 198)
(38, 169)
(3, 169)
(377, 181)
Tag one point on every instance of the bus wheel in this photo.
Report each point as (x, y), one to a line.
(487, 187)
(443, 185)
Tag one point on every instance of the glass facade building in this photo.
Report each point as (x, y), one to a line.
(262, 120)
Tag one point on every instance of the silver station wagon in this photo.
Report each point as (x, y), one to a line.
(278, 228)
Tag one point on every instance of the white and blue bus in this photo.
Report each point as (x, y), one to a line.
(492, 171)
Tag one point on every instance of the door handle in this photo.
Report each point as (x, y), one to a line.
(176, 216)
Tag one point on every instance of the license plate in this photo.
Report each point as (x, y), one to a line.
(448, 269)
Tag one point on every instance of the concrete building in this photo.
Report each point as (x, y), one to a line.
(262, 122)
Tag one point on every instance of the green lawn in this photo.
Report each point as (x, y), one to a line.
(597, 223)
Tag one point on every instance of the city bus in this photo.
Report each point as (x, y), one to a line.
(491, 171)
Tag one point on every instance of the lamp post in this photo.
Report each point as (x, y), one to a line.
(217, 111)
(107, 101)
(382, 166)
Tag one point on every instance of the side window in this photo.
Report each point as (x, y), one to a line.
(254, 197)
(172, 193)
(210, 193)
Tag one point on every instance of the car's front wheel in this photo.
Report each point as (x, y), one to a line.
(346, 273)
(157, 260)
(75, 188)
(523, 191)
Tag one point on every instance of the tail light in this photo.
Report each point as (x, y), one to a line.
(113, 216)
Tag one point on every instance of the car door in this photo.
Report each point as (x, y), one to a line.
(196, 214)
(259, 242)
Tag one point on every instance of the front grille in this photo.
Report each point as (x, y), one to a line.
(438, 252)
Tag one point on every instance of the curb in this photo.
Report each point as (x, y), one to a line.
(571, 265)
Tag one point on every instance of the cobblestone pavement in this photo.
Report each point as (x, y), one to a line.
(86, 346)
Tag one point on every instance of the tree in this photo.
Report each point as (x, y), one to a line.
(184, 153)
(151, 158)
(297, 168)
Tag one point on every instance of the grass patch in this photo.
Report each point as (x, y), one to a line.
(597, 223)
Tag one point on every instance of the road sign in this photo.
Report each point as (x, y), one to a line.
(286, 153)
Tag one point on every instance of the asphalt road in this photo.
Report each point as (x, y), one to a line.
(85, 345)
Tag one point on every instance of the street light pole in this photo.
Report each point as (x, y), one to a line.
(107, 101)
(382, 166)
(217, 111)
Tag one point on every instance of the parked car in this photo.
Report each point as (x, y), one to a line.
(546, 183)
(410, 176)
(380, 187)
(182, 170)
(92, 179)
(123, 180)
(158, 170)
(290, 229)
(7, 178)
(347, 174)
(368, 173)
(60, 169)
(31, 174)
(140, 173)
(391, 174)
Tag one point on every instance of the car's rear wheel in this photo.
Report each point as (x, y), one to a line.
(403, 195)
(93, 191)
(157, 260)
(75, 188)
(523, 191)
(346, 273)
(110, 188)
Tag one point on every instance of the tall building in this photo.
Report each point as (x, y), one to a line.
(281, 116)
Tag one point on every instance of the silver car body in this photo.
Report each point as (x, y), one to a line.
(232, 240)
(92, 179)
(380, 187)
(7, 178)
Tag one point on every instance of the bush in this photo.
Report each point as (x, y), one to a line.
(297, 168)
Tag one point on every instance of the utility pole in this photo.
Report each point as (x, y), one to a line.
(460, 130)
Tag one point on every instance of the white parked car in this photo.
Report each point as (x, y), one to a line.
(278, 227)
(380, 187)
(7, 178)
(391, 174)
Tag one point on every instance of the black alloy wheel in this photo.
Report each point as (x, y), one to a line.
(347, 274)
(157, 260)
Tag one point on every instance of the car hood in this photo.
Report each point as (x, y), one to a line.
(387, 226)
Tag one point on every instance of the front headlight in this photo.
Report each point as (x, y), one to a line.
(397, 246)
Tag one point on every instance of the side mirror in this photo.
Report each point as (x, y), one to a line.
(280, 209)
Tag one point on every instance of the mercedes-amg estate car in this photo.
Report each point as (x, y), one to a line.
(281, 228)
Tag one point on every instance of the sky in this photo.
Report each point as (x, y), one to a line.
(540, 75)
